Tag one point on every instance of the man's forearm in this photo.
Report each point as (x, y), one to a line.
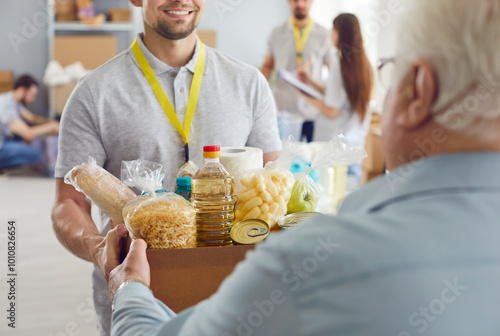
(76, 230)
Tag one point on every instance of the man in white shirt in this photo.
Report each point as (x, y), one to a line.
(291, 45)
(114, 115)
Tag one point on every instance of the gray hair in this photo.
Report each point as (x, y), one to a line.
(460, 40)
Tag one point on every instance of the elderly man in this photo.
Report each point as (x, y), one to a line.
(412, 253)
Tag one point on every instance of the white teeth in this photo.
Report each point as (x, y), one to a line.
(177, 13)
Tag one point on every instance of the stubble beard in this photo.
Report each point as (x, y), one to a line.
(169, 31)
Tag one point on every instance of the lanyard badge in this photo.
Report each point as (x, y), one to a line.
(300, 40)
(162, 97)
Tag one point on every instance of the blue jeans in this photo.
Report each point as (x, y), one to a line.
(15, 153)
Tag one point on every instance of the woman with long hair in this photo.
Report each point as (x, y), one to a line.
(347, 93)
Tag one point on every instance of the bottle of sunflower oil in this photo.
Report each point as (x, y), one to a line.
(213, 198)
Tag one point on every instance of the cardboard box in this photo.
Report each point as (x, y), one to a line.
(182, 278)
(367, 176)
(65, 10)
(120, 14)
(374, 162)
(70, 17)
(92, 51)
(61, 95)
(208, 37)
(6, 81)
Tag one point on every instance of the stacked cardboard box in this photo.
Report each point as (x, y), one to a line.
(6, 83)
(65, 10)
(82, 48)
(120, 14)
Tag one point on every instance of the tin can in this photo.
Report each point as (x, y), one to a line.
(292, 220)
(249, 231)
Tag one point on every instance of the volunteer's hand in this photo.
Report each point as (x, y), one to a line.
(134, 267)
(302, 73)
(108, 251)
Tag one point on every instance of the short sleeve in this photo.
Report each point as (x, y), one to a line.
(271, 42)
(9, 111)
(79, 135)
(335, 94)
(264, 133)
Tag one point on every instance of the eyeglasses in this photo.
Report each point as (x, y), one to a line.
(385, 67)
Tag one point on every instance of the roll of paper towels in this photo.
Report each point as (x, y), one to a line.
(239, 160)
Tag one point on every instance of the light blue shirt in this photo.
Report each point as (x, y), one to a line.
(416, 252)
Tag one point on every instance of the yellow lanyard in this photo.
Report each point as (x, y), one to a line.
(300, 40)
(162, 97)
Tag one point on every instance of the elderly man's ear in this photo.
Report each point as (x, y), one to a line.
(420, 90)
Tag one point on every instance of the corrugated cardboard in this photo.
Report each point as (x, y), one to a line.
(92, 51)
(374, 162)
(120, 14)
(6, 82)
(208, 37)
(61, 95)
(182, 278)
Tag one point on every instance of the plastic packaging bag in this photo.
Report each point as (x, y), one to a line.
(144, 175)
(264, 193)
(336, 153)
(163, 220)
(188, 169)
(102, 188)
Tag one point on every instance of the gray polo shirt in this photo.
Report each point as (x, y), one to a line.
(281, 46)
(9, 111)
(113, 115)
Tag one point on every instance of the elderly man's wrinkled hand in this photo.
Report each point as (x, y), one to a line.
(134, 267)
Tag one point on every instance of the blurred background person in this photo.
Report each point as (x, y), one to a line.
(348, 90)
(290, 45)
(18, 126)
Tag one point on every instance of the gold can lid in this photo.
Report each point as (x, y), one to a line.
(292, 220)
(249, 231)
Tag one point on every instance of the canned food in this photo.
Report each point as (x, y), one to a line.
(290, 221)
(249, 231)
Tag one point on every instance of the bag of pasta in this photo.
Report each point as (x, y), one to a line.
(264, 193)
(164, 220)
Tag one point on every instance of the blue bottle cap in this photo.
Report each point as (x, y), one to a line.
(184, 181)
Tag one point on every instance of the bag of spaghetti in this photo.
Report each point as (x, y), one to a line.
(264, 193)
(164, 220)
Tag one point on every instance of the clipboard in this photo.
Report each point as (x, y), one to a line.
(292, 79)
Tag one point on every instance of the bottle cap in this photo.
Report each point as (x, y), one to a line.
(211, 151)
(184, 181)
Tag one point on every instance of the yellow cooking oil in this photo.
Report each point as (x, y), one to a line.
(213, 198)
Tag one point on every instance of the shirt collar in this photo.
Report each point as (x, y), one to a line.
(472, 170)
(160, 67)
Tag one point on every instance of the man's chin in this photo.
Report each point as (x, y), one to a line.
(171, 34)
(300, 16)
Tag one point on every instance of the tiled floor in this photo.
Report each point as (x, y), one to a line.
(54, 288)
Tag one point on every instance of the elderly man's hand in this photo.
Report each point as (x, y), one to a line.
(134, 267)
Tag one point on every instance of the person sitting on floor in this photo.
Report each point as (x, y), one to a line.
(18, 126)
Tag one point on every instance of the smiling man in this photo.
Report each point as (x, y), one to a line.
(414, 253)
(118, 113)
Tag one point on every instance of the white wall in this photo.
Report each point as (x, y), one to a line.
(243, 26)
